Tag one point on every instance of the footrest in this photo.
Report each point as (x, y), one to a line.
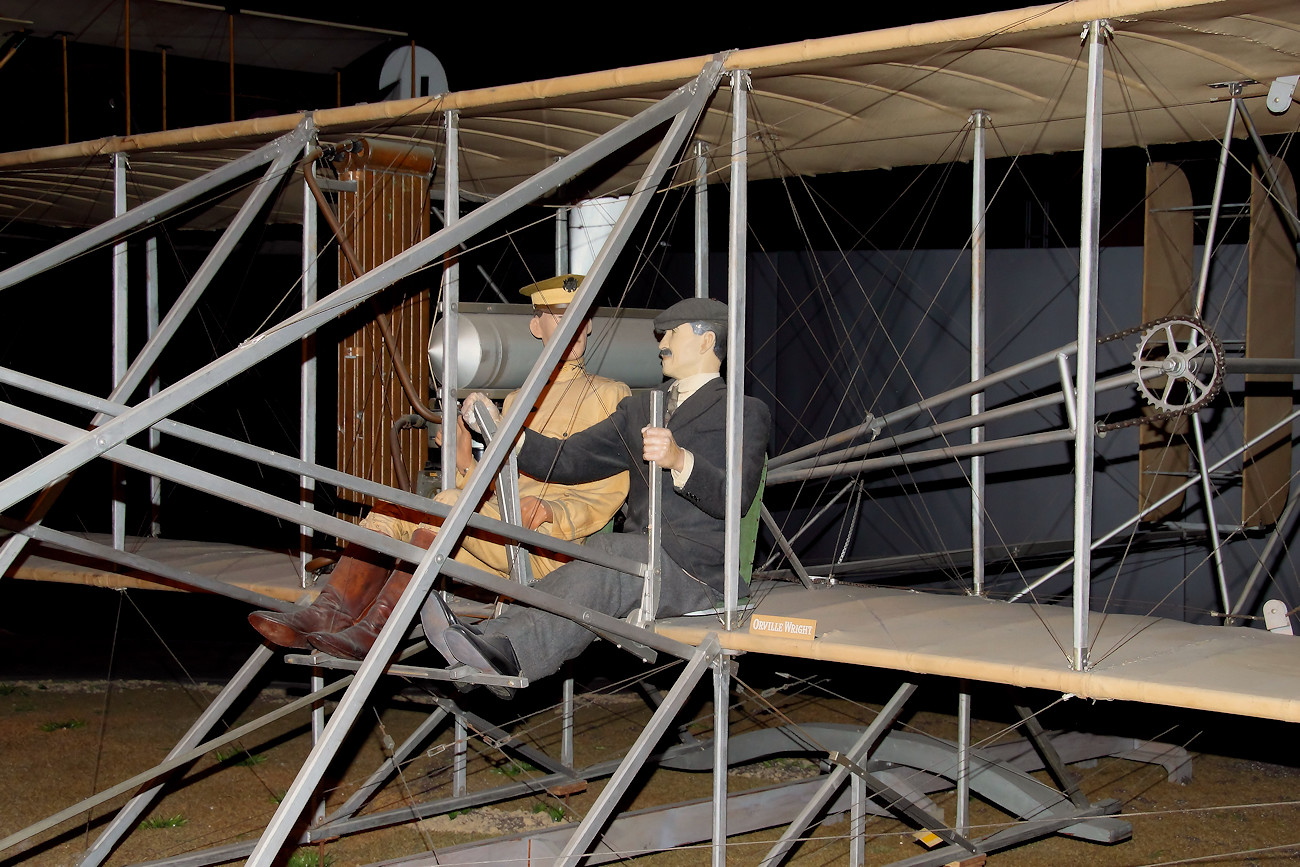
(459, 674)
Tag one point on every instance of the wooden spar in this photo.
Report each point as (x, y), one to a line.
(672, 72)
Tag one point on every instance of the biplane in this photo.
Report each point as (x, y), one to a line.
(990, 453)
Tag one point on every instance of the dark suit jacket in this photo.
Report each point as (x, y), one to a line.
(693, 515)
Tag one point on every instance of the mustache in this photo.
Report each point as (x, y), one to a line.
(664, 353)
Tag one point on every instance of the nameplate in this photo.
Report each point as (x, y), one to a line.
(784, 627)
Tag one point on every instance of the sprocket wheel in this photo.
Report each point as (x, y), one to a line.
(1190, 360)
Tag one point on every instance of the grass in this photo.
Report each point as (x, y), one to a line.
(555, 811)
(512, 769)
(248, 760)
(164, 821)
(56, 726)
(310, 858)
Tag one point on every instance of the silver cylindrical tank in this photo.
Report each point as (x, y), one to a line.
(590, 223)
(497, 350)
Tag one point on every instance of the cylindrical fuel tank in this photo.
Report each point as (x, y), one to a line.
(497, 350)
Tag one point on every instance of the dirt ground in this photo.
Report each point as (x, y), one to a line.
(63, 739)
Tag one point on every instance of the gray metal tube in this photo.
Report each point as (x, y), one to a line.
(907, 412)
(721, 735)
(307, 372)
(151, 328)
(826, 507)
(1086, 358)
(784, 544)
(1207, 494)
(450, 311)
(737, 251)
(1282, 529)
(655, 532)
(701, 220)
(118, 342)
(962, 823)
(1270, 171)
(213, 262)
(978, 305)
(1207, 252)
(1262, 365)
(987, 447)
(1207, 257)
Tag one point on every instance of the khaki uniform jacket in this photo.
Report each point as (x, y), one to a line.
(572, 401)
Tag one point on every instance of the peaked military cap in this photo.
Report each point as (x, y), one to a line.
(555, 292)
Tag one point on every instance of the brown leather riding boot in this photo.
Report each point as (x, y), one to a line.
(355, 582)
(355, 641)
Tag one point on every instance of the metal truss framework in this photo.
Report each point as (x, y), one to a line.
(116, 421)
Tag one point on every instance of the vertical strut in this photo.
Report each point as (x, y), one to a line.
(120, 348)
(307, 374)
(701, 220)
(1086, 360)
(721, 733)
(737, 224)
(450, 308)
(1198, 433)
(978, 305)
(151, 328)
(978, 250)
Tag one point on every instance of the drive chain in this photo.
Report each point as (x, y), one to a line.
(1195, 406)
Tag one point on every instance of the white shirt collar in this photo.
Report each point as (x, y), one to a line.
(688, 385)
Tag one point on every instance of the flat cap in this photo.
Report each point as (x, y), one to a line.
(554, 292)
(692, 310)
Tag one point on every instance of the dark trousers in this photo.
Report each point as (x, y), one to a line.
(543, 641)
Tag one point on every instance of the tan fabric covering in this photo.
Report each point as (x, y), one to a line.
(1167, 290)
(1249, 672)
(900, 96)
(272, 573)
(1270, 333)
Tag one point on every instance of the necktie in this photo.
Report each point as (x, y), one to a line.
(671, 406)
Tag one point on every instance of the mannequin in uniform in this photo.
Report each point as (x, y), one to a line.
(347, 616)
